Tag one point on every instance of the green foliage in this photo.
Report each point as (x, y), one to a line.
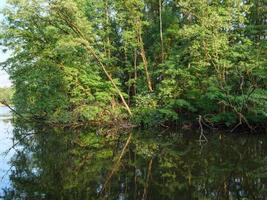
(6, 94)
(54, 77)
(84, 60)
(146, 112)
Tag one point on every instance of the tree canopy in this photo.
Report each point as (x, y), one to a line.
(153, 61)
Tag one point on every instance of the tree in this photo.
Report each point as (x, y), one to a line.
(156, 61)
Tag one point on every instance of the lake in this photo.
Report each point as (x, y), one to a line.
(6, 134)
(57, 164)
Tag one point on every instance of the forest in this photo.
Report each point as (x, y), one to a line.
(146, 62)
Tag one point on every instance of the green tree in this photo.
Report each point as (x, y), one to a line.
(157, 61)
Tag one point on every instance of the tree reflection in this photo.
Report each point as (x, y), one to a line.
(57, 164)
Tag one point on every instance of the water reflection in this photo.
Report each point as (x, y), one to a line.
(55, 164)
(5, 143)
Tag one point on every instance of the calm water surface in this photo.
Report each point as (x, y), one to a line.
(79, 165)
(6, 134)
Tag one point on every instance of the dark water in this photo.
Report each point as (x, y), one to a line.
(80, 165)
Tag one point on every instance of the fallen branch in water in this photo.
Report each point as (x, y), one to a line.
(30, 119)
(10, 108)
(242, 117)
(116, 166)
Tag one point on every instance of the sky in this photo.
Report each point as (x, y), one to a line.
(4, 78)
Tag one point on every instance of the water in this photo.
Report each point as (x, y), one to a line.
(56, 164)
(5, 143)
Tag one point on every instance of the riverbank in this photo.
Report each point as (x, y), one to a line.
(118, 123)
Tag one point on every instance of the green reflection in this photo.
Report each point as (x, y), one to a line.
(58, 164)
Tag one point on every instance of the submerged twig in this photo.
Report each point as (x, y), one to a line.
(6, 173)
(17, 143)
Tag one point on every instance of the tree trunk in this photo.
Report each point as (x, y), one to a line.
(143, 55)
(90, 50)
(161, 32)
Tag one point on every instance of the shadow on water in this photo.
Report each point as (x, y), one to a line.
(55, 164)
